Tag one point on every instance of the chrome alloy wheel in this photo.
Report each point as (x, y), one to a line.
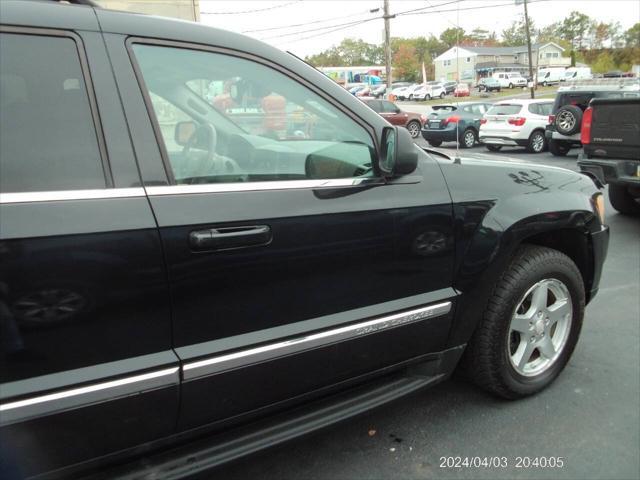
(537, 142)
(566, 120)
(414, 129)
(469, 139)
(540, 327)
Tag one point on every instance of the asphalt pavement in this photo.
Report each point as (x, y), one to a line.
(589, 417)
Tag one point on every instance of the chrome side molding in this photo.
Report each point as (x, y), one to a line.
(21, 410)
(61, 195)
(221, 363)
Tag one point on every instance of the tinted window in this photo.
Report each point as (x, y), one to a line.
(47, 135)
(389, 107)
(375, 105)
(533, 108)
(246, 121)
(505, 109)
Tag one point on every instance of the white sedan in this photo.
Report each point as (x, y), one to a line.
(516, 123)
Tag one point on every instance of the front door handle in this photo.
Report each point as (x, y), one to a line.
(230, 237)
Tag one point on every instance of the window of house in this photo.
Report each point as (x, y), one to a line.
(48, 139)
(228, 119)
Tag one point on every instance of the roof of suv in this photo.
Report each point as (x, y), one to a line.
(55, 15)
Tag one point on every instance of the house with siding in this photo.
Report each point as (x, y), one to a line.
(471, 63)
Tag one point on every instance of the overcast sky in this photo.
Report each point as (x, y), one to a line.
(249, 16)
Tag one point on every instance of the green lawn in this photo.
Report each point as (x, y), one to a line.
(540, 92)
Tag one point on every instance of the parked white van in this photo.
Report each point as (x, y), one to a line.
(577, 73)
(550, 76)
(510, 79)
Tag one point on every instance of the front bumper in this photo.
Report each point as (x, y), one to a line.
(600, 245)
(622, 172)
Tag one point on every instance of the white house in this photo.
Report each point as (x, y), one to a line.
(475, 62)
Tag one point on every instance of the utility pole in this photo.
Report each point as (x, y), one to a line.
(387, 43)
(526, 21)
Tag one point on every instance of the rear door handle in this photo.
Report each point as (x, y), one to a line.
(230, 237)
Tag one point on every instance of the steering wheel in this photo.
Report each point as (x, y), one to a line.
(205, 163)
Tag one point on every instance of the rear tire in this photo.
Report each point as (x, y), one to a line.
(558, 148)
(469, 138)
(537, 142)
(511, 85)
(435, 143)
(511, 364)
(622, 200)
(414, 128)
(494, 148)
(442, 95)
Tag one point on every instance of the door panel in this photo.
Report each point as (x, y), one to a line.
(353, 273)
(86, 366)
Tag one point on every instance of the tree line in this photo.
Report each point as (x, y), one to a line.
(604, 46)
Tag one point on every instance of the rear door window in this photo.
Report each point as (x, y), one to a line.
(48, 138)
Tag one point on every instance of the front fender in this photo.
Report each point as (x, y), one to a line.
(494, 230)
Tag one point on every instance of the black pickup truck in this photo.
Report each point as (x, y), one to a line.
(208, 247)
(611, 140)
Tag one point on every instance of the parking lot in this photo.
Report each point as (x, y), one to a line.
(589, 417)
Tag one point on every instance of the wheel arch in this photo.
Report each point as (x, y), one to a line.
(494, 244)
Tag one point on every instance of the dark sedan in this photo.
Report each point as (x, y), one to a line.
(454, 123)
(392, 114)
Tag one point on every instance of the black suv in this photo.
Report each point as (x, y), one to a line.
(611, 141)
(208, 247)
(563, 131)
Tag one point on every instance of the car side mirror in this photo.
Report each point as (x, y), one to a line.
(398, 153)
(184, 131)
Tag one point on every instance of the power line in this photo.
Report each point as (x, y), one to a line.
(342, 26)
(251, 11)
(420, 11)
(348, 24)
(360, 22)
(468, 8)
(283, 27)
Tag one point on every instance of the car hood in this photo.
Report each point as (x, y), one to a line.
(472, 178)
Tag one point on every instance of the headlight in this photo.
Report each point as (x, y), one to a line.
(598, 205)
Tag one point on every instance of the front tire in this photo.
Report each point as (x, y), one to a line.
(511, 85)
(558, 148)
(622, 200)
(442, 95)
(530, 325)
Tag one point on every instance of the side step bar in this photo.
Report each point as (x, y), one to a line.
(202, 455)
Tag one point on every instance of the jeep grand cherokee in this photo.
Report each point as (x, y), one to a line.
(208, 247)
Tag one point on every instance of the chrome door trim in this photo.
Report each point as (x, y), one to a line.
(27, 408)
(260, 186)
(61, 195)
(221, 363)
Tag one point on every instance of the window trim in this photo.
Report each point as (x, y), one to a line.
(133, 40)
(107, 174)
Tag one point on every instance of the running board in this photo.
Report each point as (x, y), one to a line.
(199, 456)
